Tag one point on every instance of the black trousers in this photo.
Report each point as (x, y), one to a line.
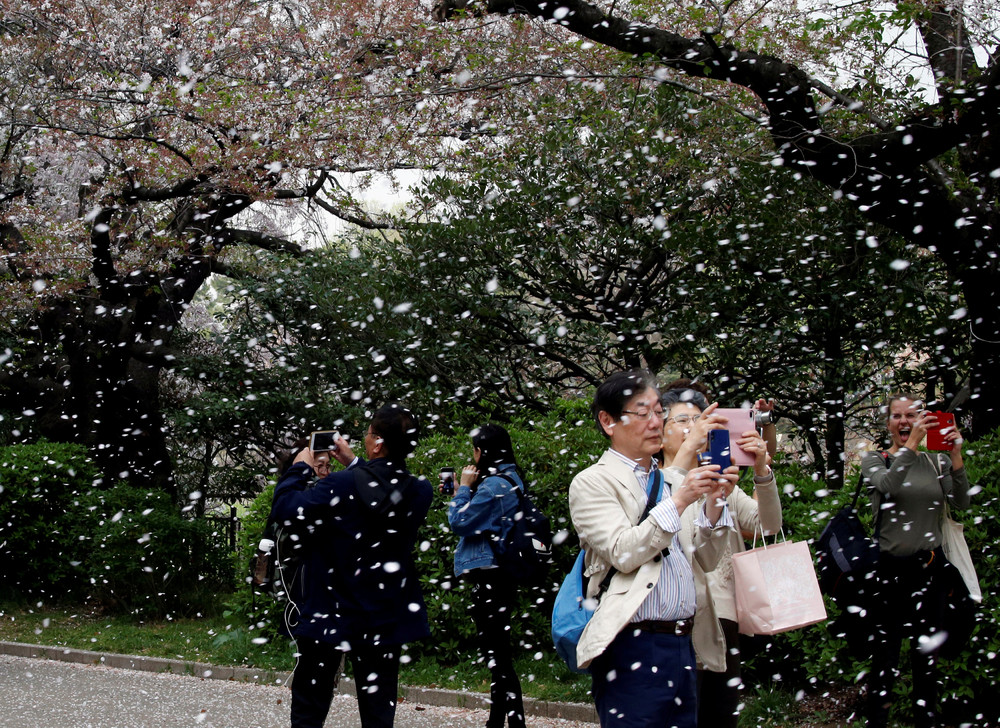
(376, 676)
(910, 604)
(493, 596)
(719, 692)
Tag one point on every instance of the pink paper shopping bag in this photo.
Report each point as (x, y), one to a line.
(776, 589)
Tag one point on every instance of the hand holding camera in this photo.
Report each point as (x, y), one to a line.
(447, 484)
(332, 444)
(711, 481)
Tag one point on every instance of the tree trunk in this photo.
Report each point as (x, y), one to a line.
(834, 406)
(102, 395)
(983, 320)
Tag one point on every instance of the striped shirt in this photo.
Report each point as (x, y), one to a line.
(673, 597)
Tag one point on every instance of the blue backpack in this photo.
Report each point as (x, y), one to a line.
(571, 610)
(570, 613)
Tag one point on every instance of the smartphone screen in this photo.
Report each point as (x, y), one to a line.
(323, 440)
(935, 436)
(447, 481)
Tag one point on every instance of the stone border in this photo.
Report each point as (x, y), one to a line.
(421, 695)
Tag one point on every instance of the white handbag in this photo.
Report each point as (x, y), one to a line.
(956, 550)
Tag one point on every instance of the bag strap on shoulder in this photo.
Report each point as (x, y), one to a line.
(521, 488)
(651, 500)
(857, 493)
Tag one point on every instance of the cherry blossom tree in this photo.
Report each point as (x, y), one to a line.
(841, 97)
(135, 139)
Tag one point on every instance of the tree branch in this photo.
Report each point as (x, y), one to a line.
(263, 241)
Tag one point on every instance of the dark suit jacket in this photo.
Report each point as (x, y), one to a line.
(359, 529)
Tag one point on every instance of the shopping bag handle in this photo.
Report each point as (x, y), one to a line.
(763, 539)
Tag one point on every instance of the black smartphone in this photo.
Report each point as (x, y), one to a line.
(448, 481)
(324, 440)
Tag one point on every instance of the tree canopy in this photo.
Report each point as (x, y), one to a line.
(922, 162)
(142, 141)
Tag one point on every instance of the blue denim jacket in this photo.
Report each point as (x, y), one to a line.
(481, 518)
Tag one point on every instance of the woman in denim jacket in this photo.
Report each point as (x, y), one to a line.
(480, 513)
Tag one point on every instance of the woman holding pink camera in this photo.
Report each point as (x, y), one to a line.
(689, 418)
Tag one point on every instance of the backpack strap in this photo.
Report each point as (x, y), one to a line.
(857, 492)
(651, 500)
(519, 487)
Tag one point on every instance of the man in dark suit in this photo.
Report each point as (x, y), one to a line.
(359, 594)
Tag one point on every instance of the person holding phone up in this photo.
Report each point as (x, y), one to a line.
(359, 595)
(480, 512)
(688, 420)
(908, 489)
(632, 523)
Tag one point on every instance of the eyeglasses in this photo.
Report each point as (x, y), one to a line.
(684, 419)
(644, 413)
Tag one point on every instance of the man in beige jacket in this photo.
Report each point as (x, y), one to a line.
(638, 643)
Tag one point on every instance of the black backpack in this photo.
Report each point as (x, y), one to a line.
(847, 558)
(525, 550)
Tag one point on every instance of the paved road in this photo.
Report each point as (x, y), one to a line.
(38, 693)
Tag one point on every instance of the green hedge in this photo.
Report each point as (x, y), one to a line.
(38, 485)
(65, 534)
(139, 554)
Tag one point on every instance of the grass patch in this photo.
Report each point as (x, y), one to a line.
(202, 639)
(215, 640)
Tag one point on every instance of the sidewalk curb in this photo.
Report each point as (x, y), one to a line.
(424, 696)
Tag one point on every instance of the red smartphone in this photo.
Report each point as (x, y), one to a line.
(740, 421)
(935, 436)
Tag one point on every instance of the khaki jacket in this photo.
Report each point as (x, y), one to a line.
(605, 504)
(748, 515)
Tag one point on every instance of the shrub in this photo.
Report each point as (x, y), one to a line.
(139, 554)
(259, 613)
(64, 534)
(38, 484)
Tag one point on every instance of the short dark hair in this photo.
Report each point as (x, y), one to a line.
(398, 428)
(285, 458)
(615, 392)
(672, 396)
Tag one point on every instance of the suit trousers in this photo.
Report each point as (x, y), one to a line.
(376, 677)
(646, 680)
